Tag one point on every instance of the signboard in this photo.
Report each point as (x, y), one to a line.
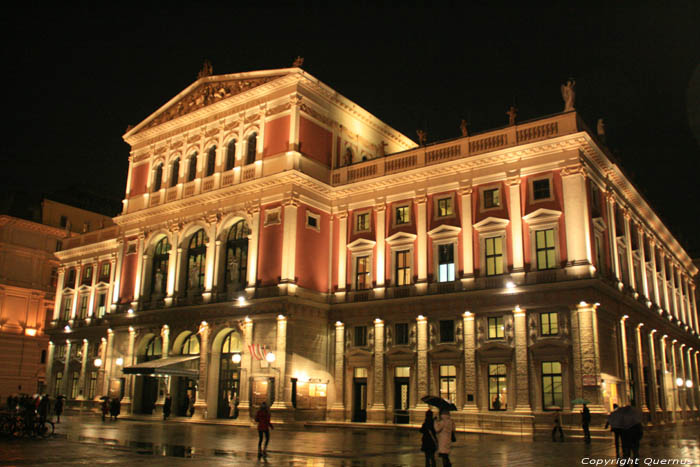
(115, 388)
(589, 380)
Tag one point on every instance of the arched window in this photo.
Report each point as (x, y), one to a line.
(252, 147)
(192, 169)
(175, 172)
(231, 344)
(191, 345)
(236, 257)
(211, 161)
(231, 154)
(196, 253)
(154, 349)
(229, 376)
(158, 177)
(159, 275)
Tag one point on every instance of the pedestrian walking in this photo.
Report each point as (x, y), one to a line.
(444, 429)
(105, 407)
(264, 427)
(429, 442)
(43, 409)
(585, 424)
(190, 405)
(617, 432)
(167, 405)
(632, 432)
(557, 427)
(115, 408)
(58, 408)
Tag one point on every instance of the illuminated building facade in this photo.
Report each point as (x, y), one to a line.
(278, 242)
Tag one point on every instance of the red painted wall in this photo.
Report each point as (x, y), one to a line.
(312, 247)
(315, 142)
(128, 276)
(276, 136)
(139, 177)
(270, 250)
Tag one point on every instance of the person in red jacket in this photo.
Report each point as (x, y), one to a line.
(264, 427)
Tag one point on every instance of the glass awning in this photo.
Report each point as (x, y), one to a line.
(181, 365)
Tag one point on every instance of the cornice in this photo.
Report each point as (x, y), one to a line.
(16, 222)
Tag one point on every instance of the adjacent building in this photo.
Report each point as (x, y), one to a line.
(278, 242)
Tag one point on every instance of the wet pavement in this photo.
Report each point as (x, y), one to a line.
(86, 440)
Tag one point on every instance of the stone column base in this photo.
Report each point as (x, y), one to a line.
(376, 414)
(336, 413)
(200, 410)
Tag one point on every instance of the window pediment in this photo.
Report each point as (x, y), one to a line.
(444, 231)
(361, 244)
(400, 238)
(542, 216)
(491, 224)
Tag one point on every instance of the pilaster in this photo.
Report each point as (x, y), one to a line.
(612, 234)
(283, 395)
(59, 294)
(246, 364)
(129, 361)
(290, 207)
(465, 194)
(422, 359)
(66, 368)
(470, 374)
(376, 412)
(586, 356)
(628, 252)
(578, 235)
(522, 386)
(83, 367)
(200, 404)
(641, 403)
(139, 270)
(380, 209)
(49, 368)
(625, 358)
(253, 242)
(337, 411)
(516, 224)
(422, 242)
(653, 384)
(212, 223)
(342, 249)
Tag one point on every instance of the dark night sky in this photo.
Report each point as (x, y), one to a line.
(77, 78)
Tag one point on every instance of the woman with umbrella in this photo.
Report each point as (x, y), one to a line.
(429, 440)
(104, 406)
(444, 427)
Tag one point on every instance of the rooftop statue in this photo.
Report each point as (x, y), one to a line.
(463, 127)
(512, 113)
(422, 137)
(298, 62)
(207, 70)
(568, 94)
(600, 129)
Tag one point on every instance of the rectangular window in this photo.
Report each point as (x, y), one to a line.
(360, 336)
(540, 189)
(448, 383)
(101, 305)
(498, 388)
(494, 255)
(402, 215)
(71, 279)
(544, 247)
(104, 272)
(66, 310)
(444, 207)
(61, 351)
(496, 327)
(58, 385)
(87, 275)
(75, 387)
(446, 263)
(403, 268)
(492, 198)
(447, 331)
(401, 333)
(312, 222)
(549, 324)
(82, 312)
(93, 385)
(362, 273)
(552, 391)
(362, 222)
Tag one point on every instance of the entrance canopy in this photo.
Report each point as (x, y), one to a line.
(181, 365)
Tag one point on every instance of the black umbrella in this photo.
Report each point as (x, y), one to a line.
(104, 398)
(439, 403)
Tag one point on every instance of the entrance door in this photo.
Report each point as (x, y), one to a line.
(359, 400)
(401, 398)
(149, 393)
(181, 398)
(229, 384)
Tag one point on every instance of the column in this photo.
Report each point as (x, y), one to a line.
(101, 390)
(342, 217)
(576, 218)
(654, 275)
(674, 301)
(522, 386)
(653, 396)
(59, 293)
(641, 241)
(49, 368)
(289, 239)
(586, 356)
(422, 242)
(612, 234)
(516, 223)
(641, 403)
(625, 361)
(91, 301)
(674, 375)
(465, 194)
(668, 401)
(337, 411)
(284, 393)
(694, 308)
(76, 287)
(295, 101)
(200, 404)
(66, 367)
(376, 412)
(422, 359)
(666, 303)
(253, 241)
(212, 222)
(684, 375)
(83, 367)
(380, 209)
(112, 278)
(628, 250)
(246, 365)
(118, 273)
(470, 386)
(128, 361)
(108, 362)
(172, 265)
(695, 359)
(140, 268)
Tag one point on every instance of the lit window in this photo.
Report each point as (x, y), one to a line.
(101, 305)
(540, 189)
(544, 248)
(362, 273)
(492, 198)
(496, 327)
(552, 390)
(444, 207)
(236, 257)
(360, 336)
(196, 254)
(448, 383)
(82, 312)
(75, 387)
(66, 309)
(104, 271)
(403, 268)
(87, 275)
(402, 215)
(58, 385)
(446, 263)
(154, 350)
(494, 255)
(549, 324)
(447, 331)
(401, 337)
(161, 256)
(191, 345)
(362, 222)
(211, 161)
(498, 389)
(93, 385)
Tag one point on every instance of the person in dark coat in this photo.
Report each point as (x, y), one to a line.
(632, 435)
(43, 408)
(429, 439)
(105, 408)
(58, 408)
(115, 408)
(167, 405)
(557, 427)
(585, 423)
(616, 431)
(264, 427)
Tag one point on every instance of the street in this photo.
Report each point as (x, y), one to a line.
(86, 440)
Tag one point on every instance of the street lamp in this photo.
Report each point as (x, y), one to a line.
(98, 362)
(236, 358)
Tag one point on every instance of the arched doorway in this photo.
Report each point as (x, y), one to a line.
(185, 388)
(229, 376)
(149, 384)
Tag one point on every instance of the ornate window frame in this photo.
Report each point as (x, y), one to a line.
(492, 227)
(482, 198)
(401, 241)
(531, 188)
(355, 216)
(436, 202)
(317, 218)
(445, 235)
(543, 219)
(359, 248)
(394, 208)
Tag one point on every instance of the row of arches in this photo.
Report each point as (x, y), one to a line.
(209, 164)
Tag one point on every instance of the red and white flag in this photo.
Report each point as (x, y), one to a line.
(257, 351)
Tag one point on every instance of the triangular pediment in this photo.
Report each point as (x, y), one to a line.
(491, 224)
(361, 244)
(401, 237)
(444, 230)
(542, 215)
(205, 92)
